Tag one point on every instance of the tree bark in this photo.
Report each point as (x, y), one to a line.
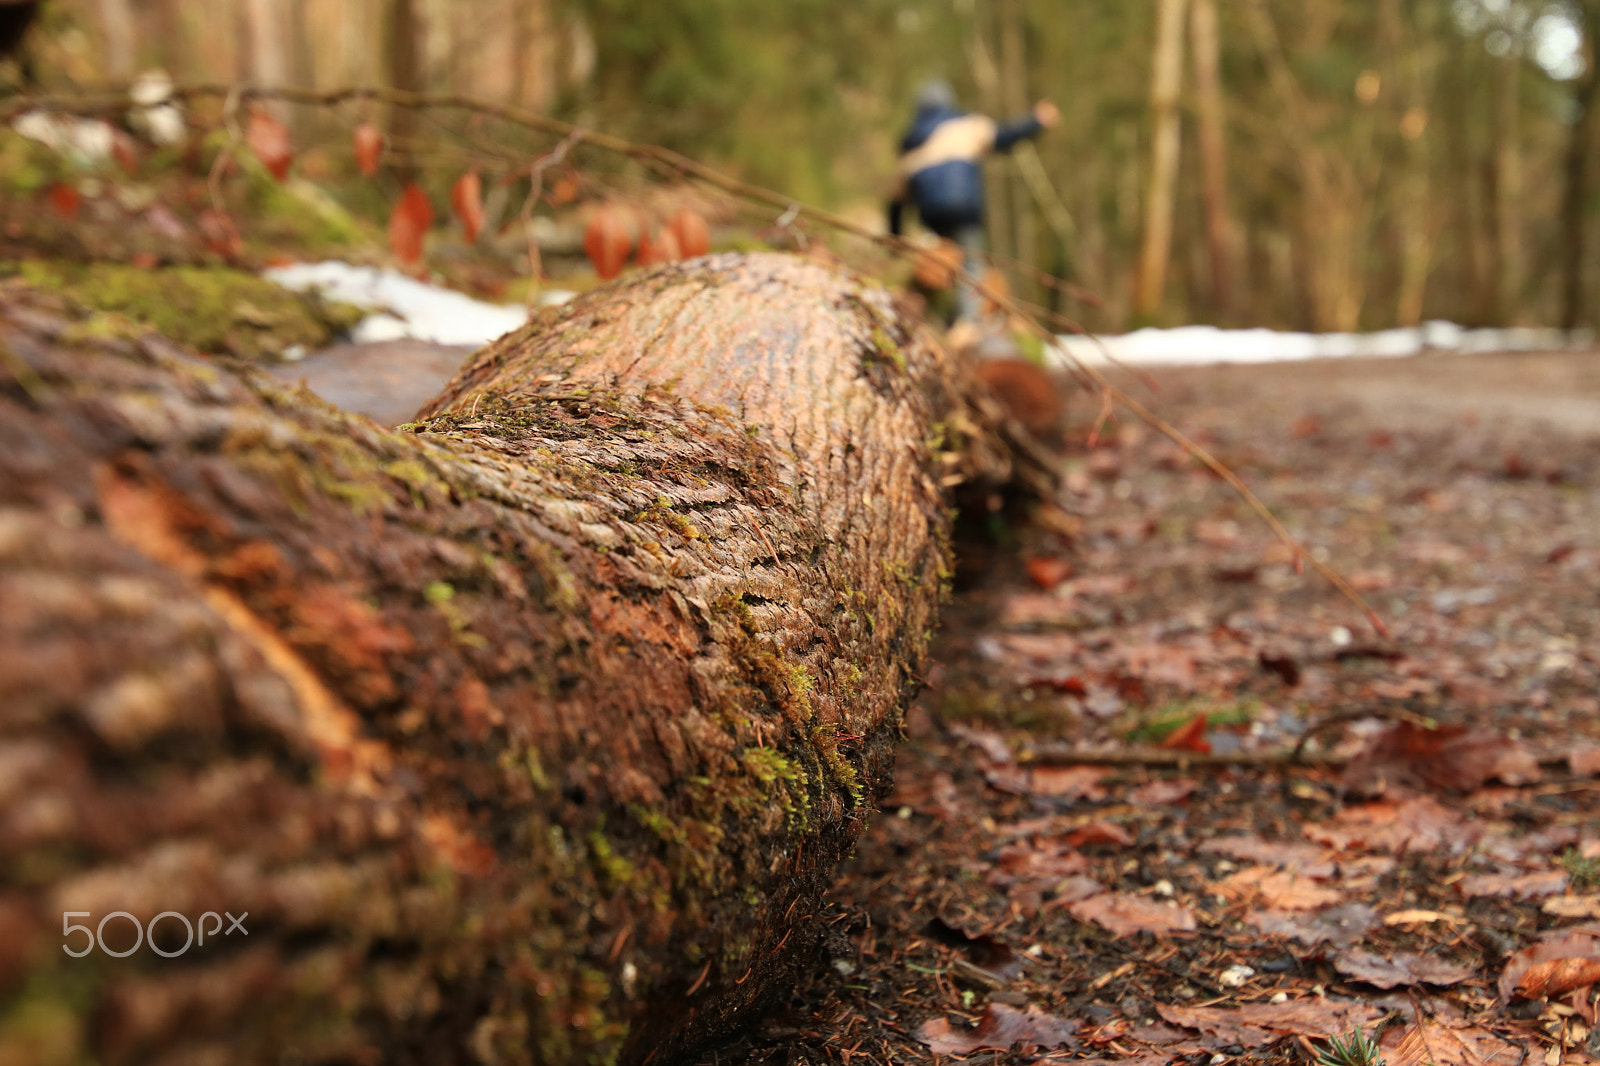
(532, 734)
(1166, 79)
(1508, 186)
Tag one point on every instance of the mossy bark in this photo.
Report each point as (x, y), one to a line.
(530, 734)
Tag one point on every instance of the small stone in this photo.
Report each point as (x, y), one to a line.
(1235, 976)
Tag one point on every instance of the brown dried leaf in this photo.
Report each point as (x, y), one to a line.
(694, 236)
(1585, 762)
(1312, 1016)
(1283, 891)
(1226, 1025)
(1555, 976)
(1308, 860)
(1582, 942)
(1048, 571)
(1395, 970)
(1164, 792)
(1258, 1024)
(368, 141)
(466, 197)
(1191, 736)
(64, 200)
(1421, 824)
(1518, 886)
(1339, 926)
(1427, 1043)
(1123, 913)
(1447, 759)
(409, 224)
(269, 140)
(1068, 782)
(607, 242)
(1573, 907)
(1000, 1029)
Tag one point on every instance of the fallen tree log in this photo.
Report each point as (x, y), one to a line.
(530, 734)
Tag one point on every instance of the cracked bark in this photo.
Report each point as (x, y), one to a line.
(530, 734)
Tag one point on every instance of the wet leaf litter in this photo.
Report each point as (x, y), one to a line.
(1350, 839)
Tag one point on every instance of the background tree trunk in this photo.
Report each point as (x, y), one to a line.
(1580, 146)
(1166, 79)
(1508, 184)
(532, 735)
(1213, 150)
(403, 70)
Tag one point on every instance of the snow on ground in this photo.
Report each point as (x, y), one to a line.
(404, 307)
(1204, 345)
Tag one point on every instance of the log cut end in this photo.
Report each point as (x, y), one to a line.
(532, 734)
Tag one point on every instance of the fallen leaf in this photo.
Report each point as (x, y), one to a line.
(1420, 824)
(1000, 1029)
(1339, 926)
(409, 224)
(1099, 832)
(1226, 1025)
(1555, 976)
(606, 242)
(1065, 782)
(1280, 890)
(1191, 736)
(1428, 1043)
(1392, 971)
(691, 231)
(64, 200)
(1306, 859)
(1573, 907)
(1124, 913)
(984, 951)
(466, 196)
(368, 141)
(1164, 792)
(658, 247)
(1582, 942)
(220, 234)
(269, 140)
(1312, 1016)
(993, 746)
(1519, 886)
(1419, 917)
(1048, 571)
(1449, 758)
(1585, 762)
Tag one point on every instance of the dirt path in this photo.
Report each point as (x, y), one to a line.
(1012, 897)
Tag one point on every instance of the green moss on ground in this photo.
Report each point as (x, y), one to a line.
(213, 309)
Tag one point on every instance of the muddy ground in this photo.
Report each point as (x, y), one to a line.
(1363, 832)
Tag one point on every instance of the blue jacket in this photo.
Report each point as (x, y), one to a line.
(939, 169)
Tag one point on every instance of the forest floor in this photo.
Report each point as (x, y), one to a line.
(1049, 884)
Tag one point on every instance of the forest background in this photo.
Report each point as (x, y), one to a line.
(1319, 164)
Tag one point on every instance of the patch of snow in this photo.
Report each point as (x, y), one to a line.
(1207, 345)
(404, 307)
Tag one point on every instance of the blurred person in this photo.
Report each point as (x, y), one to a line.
(940, 174)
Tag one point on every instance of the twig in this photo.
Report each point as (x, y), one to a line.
(1069, 755)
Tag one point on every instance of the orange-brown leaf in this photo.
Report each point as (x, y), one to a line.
(1552, 978)
(607, 243)
(1190, 736)
(269, 140)
(658, 247)
(409, 224)
(694, 236)
(368, 141)
(64, 200)
(467, 199)
(220, 234)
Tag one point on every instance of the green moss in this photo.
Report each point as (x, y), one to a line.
(887, 350)
(213, 309)
(441, 594)
(769, 766)
(616, 871)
